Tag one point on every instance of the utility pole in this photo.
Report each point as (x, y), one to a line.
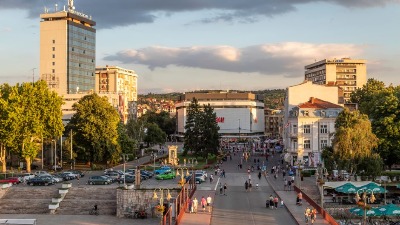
(33, 75)
(71, 148)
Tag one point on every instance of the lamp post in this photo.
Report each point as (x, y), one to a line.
(154, 155)
(182, 183)
(55, 154)
(363, 203)
(155, 197)
(123, 157)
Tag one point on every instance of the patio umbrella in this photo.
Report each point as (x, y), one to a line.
(373, 187)
(347, 188)
(370, 212)
(389, 210)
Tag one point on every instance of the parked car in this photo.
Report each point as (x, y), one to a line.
(27, 176)
(40, 172)
(147, 173)
(66, 176)
(162, 170)
(13, 180)
(128, 179)
(113, 175)
(39, 181)
(99, 180)
(52, 178)
(77, 172)
(166, 176)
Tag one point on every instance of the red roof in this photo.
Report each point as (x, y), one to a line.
(316, 103)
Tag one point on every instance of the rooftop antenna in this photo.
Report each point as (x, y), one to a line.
(56, 7)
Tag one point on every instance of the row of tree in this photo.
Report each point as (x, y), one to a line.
(31, 116)
(368, 138)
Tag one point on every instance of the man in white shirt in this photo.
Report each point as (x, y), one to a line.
(209, 199)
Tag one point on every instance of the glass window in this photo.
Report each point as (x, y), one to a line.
(324, 143)
(307, 144)
(306, 129)
(324, 129)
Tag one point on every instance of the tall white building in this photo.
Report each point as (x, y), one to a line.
(349, 74)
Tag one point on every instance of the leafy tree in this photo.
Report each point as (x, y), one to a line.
(154, 135)
(128, 145)
(364, 95)
(135, 131)
(162, 119)
(353, 139)
(328, 156)
(95, 125)
(371, 165)
(201, 130)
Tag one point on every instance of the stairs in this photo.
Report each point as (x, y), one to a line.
(311, 189)
(80, 200)
(27, 200)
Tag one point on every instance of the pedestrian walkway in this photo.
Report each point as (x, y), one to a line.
(199, 218)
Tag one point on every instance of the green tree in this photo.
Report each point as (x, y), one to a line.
(364, 95)
(192, 132)
(95, 126)
(210, 136)
(128, 145)
(154, 135)
(163, 119)
(371, 165)
(135, 131)
(353, 139)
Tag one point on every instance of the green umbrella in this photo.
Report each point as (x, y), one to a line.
(370, 212)
(373, 187)
(347, 188)
(389, 210)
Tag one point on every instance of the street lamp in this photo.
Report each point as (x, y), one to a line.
(182, 183)
(123, 157)
(363, 203)
(55, 154)
(161, 207)
(154, 155)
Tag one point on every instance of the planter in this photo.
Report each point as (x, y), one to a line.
(66, 185)
(54, 206)
(63, 191)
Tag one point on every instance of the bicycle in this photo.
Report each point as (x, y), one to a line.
(94, 212)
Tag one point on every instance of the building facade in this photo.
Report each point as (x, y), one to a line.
(67, 50)
(310, 129)
(120, 81)
(349, 74)
(295, 96)
(239, 115)
(273, 123)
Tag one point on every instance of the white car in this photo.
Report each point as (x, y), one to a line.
(41, 173)
(27, 176)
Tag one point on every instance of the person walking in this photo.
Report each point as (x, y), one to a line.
(285, 184)
(211, 178)
(221, 189)
(225, 187)
(203, 203)
(271, 202)
(209, 200)
(250, 186)
(259, 175)
(313, 215)
(276, 200)
(307, 215)
(223, 173)
(190, 206)
(195, 204)
(246, 185)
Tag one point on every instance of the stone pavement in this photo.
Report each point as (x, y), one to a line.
(200, 217)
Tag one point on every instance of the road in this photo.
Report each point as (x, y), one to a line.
(241, 207)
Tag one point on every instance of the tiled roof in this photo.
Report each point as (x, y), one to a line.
(316, 103)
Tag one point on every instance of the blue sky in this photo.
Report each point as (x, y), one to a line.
(188, 45)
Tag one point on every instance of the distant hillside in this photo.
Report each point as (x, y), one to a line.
(273, 99)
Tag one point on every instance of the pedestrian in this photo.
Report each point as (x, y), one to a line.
(209, 200)
(276, 200)
(284, 172)
(271, 202)
(203, 203)
(211, 178)
(250, 186)
(285, 184)
(307, 215)
(225, 187)
(220, 189)
(223, 173)
(246, 185)
(282, 204)
(257, 186)
(195, 204)
(313, 215)
(190, 206)
(289, 185)
(259, 175)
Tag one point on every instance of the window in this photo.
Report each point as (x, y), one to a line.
(306, 129)
(54, 56)
(324, 129)
(294, 129)
(307, 144)
(324, 143)
(53, 70)
(54, 63)
(54, 48)
(54, 41)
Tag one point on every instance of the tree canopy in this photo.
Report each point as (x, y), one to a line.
(201, 130)
(95, 127)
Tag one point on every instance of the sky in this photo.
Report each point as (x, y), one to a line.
(187, 45)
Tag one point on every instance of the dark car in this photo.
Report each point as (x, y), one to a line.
(128, 179)
(39, 181)
(77, 172)
(99, 180)
(66, 176)
(148, 173)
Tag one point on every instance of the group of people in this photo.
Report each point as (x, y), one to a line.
(272, 202)
(310, 215)
(205, 203)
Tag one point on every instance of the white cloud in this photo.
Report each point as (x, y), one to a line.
(286, 59)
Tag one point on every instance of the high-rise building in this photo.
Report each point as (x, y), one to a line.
(349, 74)
(67, 50)
(120, 81)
